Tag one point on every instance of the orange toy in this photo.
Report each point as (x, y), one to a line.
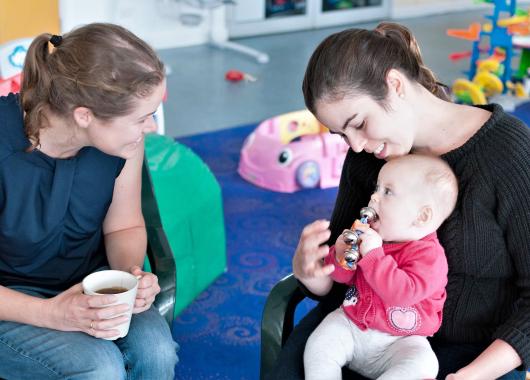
(349, 259)
(472, 33)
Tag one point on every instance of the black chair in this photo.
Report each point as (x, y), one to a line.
(277, 322)
(158, 249)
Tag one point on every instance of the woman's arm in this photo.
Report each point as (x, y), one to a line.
(124, 230)
(359, 171)
(513, 216)
(22, 308)
(499, 358)
(124, 226)
(508, 174)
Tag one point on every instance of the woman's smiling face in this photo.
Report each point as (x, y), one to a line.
(122, 136)
(366, 125)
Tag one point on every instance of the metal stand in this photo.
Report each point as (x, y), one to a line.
(258, 55)
(219, 35)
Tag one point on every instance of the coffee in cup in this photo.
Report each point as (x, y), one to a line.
(112, 290)
(121, 284)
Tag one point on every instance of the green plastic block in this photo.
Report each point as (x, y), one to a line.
(190, 204)
(524, 65)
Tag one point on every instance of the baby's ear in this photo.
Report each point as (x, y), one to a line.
(425, 216)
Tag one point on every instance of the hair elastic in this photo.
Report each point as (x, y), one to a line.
(56, 40)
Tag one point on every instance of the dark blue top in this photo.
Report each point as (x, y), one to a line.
(51, 209)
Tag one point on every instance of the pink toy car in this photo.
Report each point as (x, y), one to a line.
(290, 152)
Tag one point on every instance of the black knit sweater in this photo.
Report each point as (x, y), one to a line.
(487, 237)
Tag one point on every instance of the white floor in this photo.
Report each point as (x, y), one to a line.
(201, 100)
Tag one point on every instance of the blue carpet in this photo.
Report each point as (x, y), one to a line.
(523, 112)
(219, 333)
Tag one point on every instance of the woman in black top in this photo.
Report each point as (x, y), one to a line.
(372, 88)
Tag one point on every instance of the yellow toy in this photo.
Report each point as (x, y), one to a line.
(484, 84)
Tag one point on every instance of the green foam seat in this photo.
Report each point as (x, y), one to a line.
(190, 204)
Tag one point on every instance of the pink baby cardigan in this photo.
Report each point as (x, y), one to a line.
(398, 288)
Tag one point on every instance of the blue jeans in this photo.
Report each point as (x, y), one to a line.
(147, 352)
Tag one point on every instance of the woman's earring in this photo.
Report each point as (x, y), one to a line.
(401, 95)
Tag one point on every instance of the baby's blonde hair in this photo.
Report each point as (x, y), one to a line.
(440, 179)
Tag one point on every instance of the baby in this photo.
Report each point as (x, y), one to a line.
(397, 289)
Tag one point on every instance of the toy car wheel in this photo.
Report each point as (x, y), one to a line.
(308, 175)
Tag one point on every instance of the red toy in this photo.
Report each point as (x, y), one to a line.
(236, 76)
(11, 84)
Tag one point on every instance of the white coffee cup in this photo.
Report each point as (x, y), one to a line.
(95, 282)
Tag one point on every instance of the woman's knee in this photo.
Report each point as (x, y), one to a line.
(105, 364)
(162, 350)
(96, 359)
(33, 352)
(150, 339)
(152, 360)
(165, 353)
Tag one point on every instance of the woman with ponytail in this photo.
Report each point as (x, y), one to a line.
(71, 153)
(372, 88)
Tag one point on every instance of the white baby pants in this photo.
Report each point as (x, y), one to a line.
(338, 342)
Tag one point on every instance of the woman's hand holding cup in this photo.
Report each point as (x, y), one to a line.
(148, 288)
(123, 287)
(98, 316)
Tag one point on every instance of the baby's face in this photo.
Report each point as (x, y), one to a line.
(397, 199)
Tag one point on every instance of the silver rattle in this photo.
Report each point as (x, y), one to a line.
(352, 255)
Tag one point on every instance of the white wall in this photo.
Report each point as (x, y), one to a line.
(156, 21)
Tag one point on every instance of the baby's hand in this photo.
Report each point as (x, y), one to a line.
(369, 240)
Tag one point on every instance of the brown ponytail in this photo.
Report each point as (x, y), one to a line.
(406, 39)
(35, 85)
(357, 61)
(103, 67)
